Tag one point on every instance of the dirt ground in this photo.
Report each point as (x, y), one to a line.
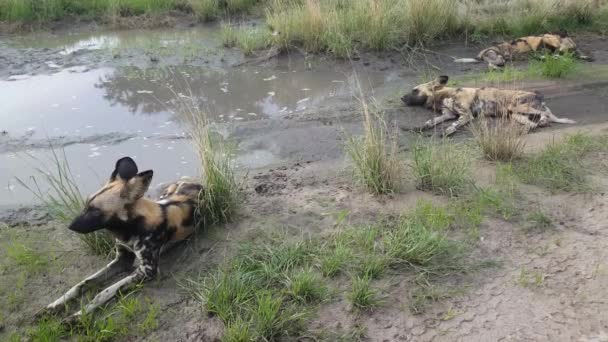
(548, 286)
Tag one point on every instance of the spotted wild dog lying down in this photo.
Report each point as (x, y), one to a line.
(496, 56)
(141, 227)
(464, 104)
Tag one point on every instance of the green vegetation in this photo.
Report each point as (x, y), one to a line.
(424, 293)
(343, 27)
(362, 295)
(113, 323)
(305, 286)
(269, 290)
(539, 220)
(442, 166)
(26, 257)
(63, 199)
(559, 166)
(502, 140)
(222, 194)
(248, 40)
(530, 279)
(554, 66)
(340, 27)
(33, 11)
(374, 155)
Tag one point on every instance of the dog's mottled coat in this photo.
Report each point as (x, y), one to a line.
(141, 227)
(464, 104)
(498, 55)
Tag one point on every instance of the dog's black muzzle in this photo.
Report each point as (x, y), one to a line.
(414, 100)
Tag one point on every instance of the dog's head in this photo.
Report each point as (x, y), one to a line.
(124, 188)
(424, 94)
(494, 58)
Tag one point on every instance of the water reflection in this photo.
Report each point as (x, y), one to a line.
(243, 94)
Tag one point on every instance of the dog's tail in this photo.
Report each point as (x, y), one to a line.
(553, 118)
(466, 60)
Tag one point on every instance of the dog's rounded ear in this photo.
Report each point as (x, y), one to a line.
(125, 169)
(443, 79)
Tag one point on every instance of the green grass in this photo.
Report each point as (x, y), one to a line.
(252, 40)
(222, 193)
(305, 286)
(33, 11)
(335, 26)
(530, 279)
(229, 35)
(539, 220)
(206, 10)
(126, 319)
(374, 155)
(554, 66)
(502, 140)
(442, 167)
(414, 243)
(63, 199)
(559, 166)
(268, 290)
(334, 261)
(362, 295)
(238, 331)
(27, 258)
(424, 293)
(373, 266)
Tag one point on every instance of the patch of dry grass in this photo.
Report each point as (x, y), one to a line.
(500, 139)
(374, 155)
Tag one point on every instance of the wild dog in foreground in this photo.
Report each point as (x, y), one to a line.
(141, 227)
(496, 56)
(464, 104)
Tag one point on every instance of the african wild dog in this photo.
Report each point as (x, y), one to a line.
(497, 56)
(141, 227)
(464, 104)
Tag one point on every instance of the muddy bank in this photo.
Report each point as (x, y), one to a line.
(102, 96)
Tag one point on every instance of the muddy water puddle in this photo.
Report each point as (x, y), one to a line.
(100, 114)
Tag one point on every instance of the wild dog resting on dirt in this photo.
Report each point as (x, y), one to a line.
(141, 227)
(464, 104)
(496, 56)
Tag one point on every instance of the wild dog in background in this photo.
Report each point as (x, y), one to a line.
(464, 104)
(496, 56)
(141, 227)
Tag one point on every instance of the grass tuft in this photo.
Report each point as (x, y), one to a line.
(442, 167)
(252, 40)
(502, 140)
(26, 257)
(334, 261)
(539, 220)
(559, 166)
(362, 295)
(222, 195)
(374, 155)
(63, 199)
(305, 287)
(554, 66)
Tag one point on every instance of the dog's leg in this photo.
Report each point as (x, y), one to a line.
(148, 268)
(465, 117)
(446, 115)
(123, 260)
(553, 118)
